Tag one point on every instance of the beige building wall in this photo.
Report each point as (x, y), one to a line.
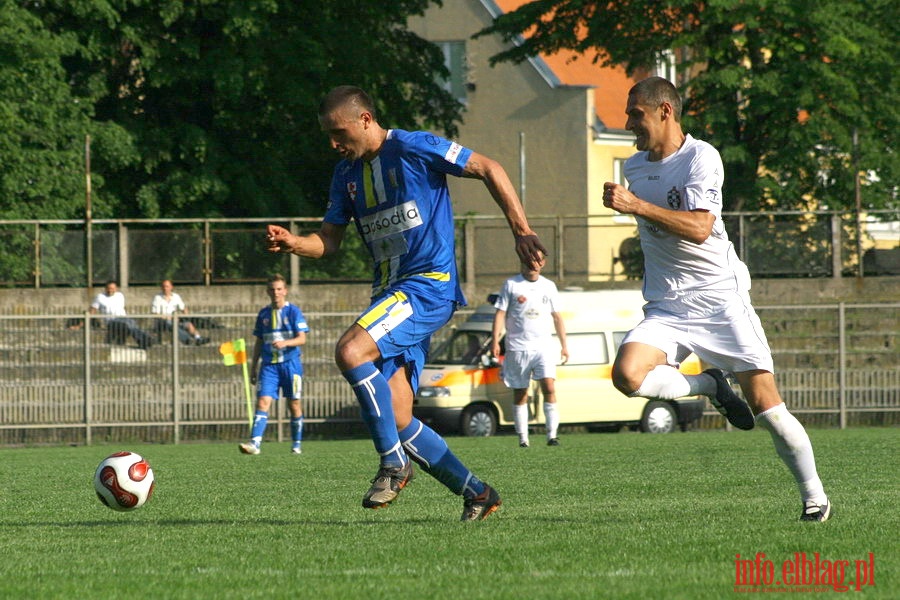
(520, 112)
(607, 155)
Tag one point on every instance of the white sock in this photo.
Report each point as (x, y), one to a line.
(668, 383)
(793, 446)
(552, 419)
(520, 418)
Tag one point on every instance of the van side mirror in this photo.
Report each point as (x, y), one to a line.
(488, 360)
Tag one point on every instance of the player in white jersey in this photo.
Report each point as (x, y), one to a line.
(697, 289)
(528, 307)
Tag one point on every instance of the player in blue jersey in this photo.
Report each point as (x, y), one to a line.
(393, 185)
(280, 331)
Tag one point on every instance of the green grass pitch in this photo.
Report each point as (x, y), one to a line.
(602, 516)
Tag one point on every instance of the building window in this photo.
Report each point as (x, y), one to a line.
(618, 171)
(665, 67)
(456, 63)
(619, 177)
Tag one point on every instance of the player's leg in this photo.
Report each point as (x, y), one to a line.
(516, 374)
(520, 414)
(645, 365)
(641, 369)
(360, 355)
(431, 452)
(296, 408)
(355, 355)
(790, 438)
(261, 416)
(551, 416)
(404, 357)
(545, 372)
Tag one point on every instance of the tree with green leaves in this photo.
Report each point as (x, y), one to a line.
(220, 96)
(44, 124)
(797, 95)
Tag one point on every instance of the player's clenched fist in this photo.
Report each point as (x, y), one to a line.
(618, 198)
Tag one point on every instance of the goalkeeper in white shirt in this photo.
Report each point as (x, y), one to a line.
(696, 288)
(528, 307)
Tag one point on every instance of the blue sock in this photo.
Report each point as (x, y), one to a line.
(374, 396)
(431, 452)
(297, 430)
(260, 420)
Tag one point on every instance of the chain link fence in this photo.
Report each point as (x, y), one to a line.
(837, 366)
(582, 247)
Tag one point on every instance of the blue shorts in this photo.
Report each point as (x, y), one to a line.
(401, 323)
(286, 376)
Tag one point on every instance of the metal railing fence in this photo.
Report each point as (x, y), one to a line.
(836, 364)
(582, 247)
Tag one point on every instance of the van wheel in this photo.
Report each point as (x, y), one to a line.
(659, 417)
(478, 421)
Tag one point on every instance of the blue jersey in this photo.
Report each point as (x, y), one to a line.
(274, 324)
(401, 206)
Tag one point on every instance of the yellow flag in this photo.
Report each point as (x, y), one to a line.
(234, 352)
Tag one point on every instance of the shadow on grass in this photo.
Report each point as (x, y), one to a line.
(342, 524)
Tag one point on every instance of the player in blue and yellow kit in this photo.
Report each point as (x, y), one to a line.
(280, 331)
(393, 185)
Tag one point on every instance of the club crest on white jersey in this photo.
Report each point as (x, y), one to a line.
(673, 199)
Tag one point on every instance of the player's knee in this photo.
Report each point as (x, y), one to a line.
(626, 380)
(349, 354)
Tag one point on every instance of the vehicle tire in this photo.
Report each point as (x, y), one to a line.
(659, 417)
(478, 421)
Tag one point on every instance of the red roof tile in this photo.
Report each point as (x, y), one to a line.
(611, 83)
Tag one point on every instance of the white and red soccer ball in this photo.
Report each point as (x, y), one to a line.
(124, 481)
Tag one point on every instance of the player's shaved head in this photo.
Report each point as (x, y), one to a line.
(346, 96)
(653, 91)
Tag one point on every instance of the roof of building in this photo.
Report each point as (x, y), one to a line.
(611, 84)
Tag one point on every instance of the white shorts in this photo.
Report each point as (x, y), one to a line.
(521, 366)
(721, 328)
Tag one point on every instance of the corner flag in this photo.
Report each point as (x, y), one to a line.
(235, 353)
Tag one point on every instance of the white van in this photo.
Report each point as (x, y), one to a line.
(460, 389)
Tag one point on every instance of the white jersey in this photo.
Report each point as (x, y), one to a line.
(689, 179)
(113, 306)
(161, 306)
(528, 306)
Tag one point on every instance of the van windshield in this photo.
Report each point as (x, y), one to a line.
(462, 348)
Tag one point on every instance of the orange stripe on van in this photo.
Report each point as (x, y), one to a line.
(469, 377)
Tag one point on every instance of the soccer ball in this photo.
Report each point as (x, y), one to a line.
(124, 481)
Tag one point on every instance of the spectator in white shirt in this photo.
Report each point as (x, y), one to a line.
(111, 304)
(167, 303)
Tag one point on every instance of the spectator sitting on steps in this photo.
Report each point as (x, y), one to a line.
(111, 304)
(167, 303)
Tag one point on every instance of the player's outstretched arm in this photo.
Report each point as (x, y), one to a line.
(314, 245)
(528, 246)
